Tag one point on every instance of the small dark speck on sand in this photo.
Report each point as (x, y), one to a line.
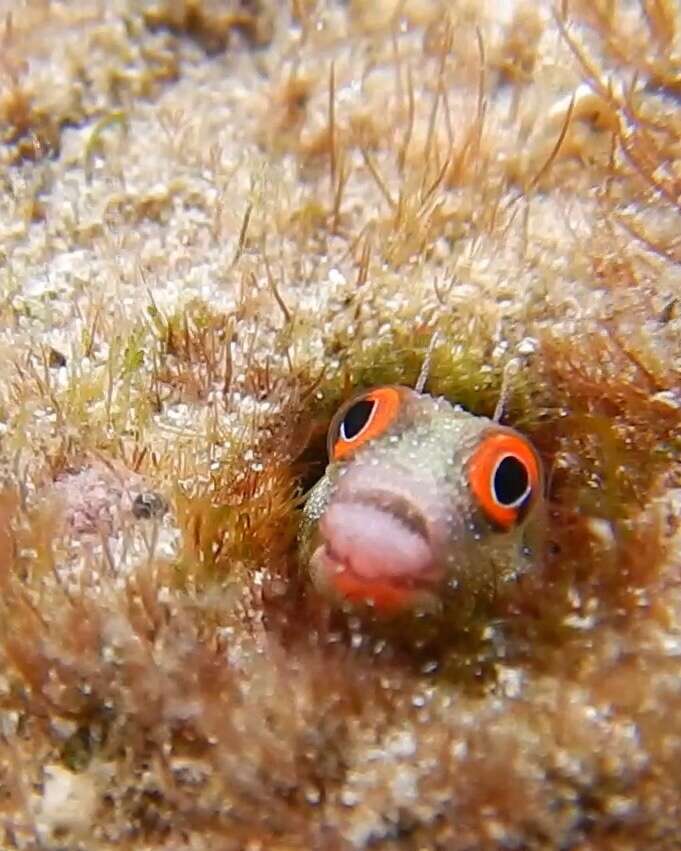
(149, 504)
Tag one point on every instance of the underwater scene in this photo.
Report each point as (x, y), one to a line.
(340, 425)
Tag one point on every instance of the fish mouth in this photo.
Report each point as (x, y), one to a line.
(398, 507)
(376, 549)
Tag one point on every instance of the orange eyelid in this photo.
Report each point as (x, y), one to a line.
(388, 400)
(481, 469)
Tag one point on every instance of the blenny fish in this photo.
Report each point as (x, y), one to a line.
(420, 498)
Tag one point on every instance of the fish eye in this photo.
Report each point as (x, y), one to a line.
(362, 418)
(505, 476)
(510, 483)
(356, 419)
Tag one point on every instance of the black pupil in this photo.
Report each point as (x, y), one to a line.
(356, 418)
(510, 480)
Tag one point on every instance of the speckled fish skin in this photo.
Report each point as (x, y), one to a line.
(421, 460)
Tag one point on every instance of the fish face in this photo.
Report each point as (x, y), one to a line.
(419, 498)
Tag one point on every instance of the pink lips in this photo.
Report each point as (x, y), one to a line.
(372, 555)
(373, 543)
(382, 538)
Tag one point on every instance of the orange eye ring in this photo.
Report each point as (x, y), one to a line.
(362, 418)
(504, 474)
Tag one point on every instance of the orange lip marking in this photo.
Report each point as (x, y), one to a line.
(384, 596)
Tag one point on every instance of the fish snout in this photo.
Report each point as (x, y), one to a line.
(380, 545)
(376, 537)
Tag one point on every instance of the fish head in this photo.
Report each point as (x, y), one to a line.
(420, 497)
